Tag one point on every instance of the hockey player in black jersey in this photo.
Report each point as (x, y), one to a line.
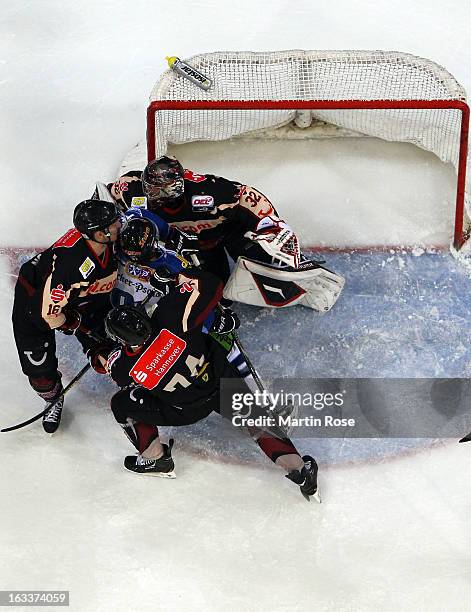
(218, 210)
(169, 372)
(230, 216)
(65, 288)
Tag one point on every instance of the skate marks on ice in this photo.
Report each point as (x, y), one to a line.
(400, 316)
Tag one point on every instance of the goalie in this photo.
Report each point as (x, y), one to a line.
(233, 218)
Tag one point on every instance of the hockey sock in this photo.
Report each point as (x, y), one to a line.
(140, 435)
(48, 388)
(146, 434)
(155, 450)
(290, 462)
(281, 452)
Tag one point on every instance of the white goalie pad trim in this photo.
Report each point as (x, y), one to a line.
(260, 284)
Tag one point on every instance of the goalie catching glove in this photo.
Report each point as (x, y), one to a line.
(278, 240)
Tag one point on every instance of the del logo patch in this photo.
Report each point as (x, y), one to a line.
(140, 202)
(87, 268)
(68, 240)
(157, 359)
(202, 202)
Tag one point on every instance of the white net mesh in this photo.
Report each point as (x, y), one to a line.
(314, 76)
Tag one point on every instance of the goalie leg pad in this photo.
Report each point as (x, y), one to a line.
(259, 284)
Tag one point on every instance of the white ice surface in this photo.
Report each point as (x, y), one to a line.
(391, 534)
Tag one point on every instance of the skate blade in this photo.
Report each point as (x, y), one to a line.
(169, 475)
(316, 496)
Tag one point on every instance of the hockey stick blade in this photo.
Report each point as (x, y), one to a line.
(76, 378)
(466, 438)
(24, 423)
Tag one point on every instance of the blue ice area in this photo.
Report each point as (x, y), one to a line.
(400, 315)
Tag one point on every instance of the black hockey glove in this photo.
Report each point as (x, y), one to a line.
(72, 323)
(98, 356)
(162, 280)
(183, 243)
(225, 321)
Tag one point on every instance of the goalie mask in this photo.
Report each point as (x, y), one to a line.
(139, 241)
(162, 180)
(128, 326)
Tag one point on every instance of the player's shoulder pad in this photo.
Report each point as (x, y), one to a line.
(68, 240)
(133, 212)
(194, 177)
(131, 174)
(227, 189)
(127, 190)
(223, 180)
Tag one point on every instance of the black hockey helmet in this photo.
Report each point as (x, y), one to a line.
(139, 240)
(162, 179)
(93, 215)
(128, 325)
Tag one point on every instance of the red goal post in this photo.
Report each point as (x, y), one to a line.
(389, 95)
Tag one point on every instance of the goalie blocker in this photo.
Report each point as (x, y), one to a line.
(260, 284)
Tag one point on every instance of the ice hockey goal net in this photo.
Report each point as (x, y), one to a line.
(385, 94)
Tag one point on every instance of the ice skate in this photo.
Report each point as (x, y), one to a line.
(163, 466)
(52, 418)
(307, 479)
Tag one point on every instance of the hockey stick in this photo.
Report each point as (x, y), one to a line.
(237, 341)
(74, 380)
(276, 430)
(253, 371)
